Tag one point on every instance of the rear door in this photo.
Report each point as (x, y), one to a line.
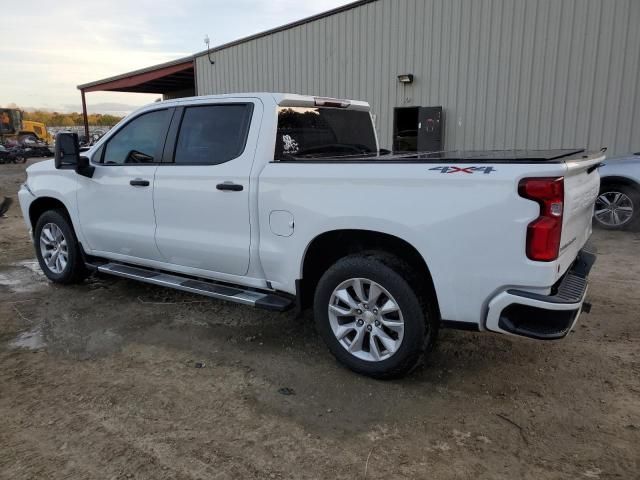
(201, 193)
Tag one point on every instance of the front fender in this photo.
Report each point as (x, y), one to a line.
(45, 182)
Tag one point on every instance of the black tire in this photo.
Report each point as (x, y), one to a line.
(418, 310)
(75, 271)
(633, 194)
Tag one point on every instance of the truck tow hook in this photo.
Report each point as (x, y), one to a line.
(586, 307)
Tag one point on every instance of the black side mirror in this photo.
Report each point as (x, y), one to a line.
(84, 167)
(67, 155)
(67, 151)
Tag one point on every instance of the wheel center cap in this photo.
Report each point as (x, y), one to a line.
(368, 317)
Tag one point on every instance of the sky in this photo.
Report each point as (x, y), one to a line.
(48, 48)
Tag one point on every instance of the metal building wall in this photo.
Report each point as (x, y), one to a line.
(188, 92)
(509, 73)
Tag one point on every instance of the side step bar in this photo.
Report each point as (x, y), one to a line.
(268, 301)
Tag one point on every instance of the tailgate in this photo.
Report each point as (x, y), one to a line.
(581, 186)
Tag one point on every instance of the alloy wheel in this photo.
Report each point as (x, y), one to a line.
(53, 247)
(366, 320)
(613, 209)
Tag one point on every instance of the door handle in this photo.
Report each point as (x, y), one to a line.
(229, 186)
(138, 182)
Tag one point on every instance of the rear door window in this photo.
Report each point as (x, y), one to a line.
(213, 134)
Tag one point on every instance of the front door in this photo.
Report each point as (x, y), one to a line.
(116, 205)
(201, 196)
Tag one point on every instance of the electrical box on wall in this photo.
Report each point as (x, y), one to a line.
(430, 129)
(418, 129)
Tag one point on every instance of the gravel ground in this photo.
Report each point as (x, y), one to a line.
(100, 381)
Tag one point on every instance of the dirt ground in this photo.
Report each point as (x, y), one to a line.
(99, 381)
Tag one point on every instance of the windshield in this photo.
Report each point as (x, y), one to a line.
(309, 132)
(10, 120)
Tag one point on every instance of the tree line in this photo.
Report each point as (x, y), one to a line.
(56, 119)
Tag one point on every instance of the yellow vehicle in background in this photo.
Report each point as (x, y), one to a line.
(13, 127)
(24, 138)
(39, 129)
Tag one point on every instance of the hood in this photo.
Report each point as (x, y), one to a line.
(44, 166)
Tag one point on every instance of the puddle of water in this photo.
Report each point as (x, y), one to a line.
(8, 281)
(69, 340)
(23, 277)
(31, 340)
(32, 265)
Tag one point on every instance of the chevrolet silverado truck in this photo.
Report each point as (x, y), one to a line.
(280, 201)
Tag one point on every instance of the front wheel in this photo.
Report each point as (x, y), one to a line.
(57, 248)
(371, 317)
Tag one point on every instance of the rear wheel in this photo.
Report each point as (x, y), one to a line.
(617, 207)
(370, 316)
(57, 248)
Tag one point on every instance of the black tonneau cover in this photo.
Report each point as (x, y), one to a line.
(526, 156)
(455, 156)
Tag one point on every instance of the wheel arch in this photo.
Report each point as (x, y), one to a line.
(43, 204)
(328, 247)
(619, 180)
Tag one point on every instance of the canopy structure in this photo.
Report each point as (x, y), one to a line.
(175, 78)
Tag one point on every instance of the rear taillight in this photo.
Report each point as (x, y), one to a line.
(543, 234)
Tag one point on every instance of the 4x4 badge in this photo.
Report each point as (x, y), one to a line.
(470, 170)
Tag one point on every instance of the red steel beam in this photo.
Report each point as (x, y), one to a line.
(84, 115)
(139, 79)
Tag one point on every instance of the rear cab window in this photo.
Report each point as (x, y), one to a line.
(305, 133)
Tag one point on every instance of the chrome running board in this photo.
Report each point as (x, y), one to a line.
(230, 293)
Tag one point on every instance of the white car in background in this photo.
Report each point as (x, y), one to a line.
(618, 204)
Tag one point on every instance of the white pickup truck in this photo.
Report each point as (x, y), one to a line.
(281, 200)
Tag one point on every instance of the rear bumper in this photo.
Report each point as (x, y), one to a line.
(543, 317)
